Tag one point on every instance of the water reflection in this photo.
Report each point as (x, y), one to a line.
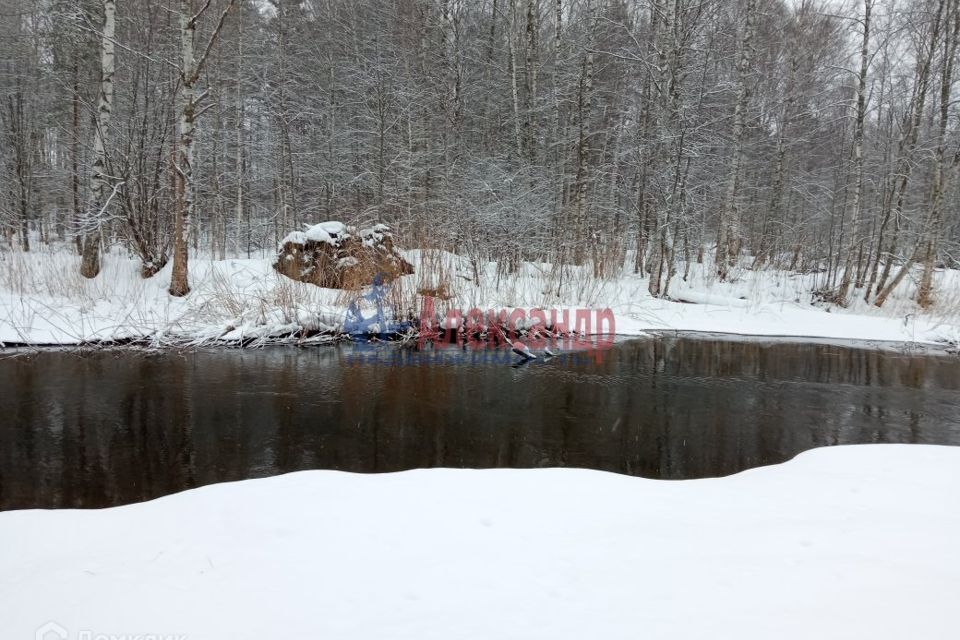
(111, 428)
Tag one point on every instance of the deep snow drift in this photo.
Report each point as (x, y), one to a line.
(44, 300)
(843, 542)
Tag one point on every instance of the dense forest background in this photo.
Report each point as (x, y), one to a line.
(645, 135)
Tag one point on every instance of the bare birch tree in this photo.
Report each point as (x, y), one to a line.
(729, 227)
(190, 109)
(855, 252)
(99, 179)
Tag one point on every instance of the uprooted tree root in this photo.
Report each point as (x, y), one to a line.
(350, 260)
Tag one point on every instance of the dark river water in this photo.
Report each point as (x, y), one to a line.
(113, 427)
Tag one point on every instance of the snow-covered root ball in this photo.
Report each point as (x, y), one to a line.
(336, 256)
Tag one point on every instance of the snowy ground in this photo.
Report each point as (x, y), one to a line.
(842, 542)
(44, 300)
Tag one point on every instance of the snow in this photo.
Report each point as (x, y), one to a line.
(43, 300)
(294, 237)
(334, 227)
(842, 542)
(374, 234)
(318, 234)
(331, 232)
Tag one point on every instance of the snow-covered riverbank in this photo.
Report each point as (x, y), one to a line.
(44, 300)
(844, 542)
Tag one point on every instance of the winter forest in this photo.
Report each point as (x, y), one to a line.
(451, 318)
(625, 136)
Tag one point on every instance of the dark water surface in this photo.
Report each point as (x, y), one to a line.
(115, 427)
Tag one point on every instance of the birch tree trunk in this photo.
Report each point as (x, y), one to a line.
(453, 98)
(671, 48)
(644, 135)
(99, 182)
(530, 75)
(289, 213)
(728, 240)
(191, 69)
(238, 207)
(856, 246)
(584, 117)
(662, 20)
(558, 156)
(514, 89)
(22, 142)
(186, 106)
(75, 151)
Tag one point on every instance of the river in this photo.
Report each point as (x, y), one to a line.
(111, 427)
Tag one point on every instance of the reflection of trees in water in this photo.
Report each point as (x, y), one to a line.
(112, 428)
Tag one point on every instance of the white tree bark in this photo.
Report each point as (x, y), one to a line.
(191, 69)
(530, 73)
(728, 241)
(857, 241)
(90, 261)
(584, 120)
(514, 90)
(238, 211)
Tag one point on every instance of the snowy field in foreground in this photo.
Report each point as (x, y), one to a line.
(44, 300)
(844, 542)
